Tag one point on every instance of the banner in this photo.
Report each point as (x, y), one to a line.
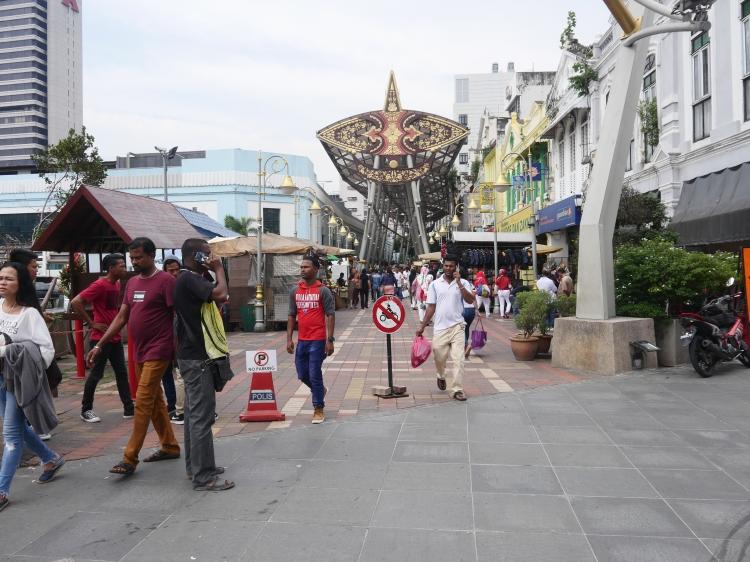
(746, 273)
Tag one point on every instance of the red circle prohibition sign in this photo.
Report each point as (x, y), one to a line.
(261, 358)
(388, 314)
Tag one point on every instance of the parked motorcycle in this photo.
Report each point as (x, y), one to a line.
(716, 334)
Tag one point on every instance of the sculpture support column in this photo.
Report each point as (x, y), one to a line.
(596, 278)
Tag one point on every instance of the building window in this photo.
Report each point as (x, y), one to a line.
(746, 52)
(272, 221)
(462, 90)
(701, 86)
(572, 147)
(649, 95)
(463, 158)
(561, 156)
(585, 137)
(463, 119)
(649, 78)
(629, 162)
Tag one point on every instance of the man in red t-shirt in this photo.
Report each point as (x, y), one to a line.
(104, 297)
(147, 308)
(312, 310)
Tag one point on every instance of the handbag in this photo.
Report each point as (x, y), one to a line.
(218, 367)
(478, 337)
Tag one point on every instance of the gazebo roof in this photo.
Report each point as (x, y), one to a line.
(103, 220)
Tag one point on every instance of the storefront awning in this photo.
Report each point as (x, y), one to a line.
(714, 209)
(558, 215)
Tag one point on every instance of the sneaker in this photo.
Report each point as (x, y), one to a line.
(90, 417)
(128, 415)
(45, 436)
(216, 416)
(178, 419)
(318, 416)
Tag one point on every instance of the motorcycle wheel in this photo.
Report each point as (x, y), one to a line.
(702, 361)
(745, 357)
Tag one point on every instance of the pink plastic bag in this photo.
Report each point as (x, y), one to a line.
(420, 351)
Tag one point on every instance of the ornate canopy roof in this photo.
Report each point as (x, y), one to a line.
(394, 147)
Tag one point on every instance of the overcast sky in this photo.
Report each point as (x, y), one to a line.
(206, 74)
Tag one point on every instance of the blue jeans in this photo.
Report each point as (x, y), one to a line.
(16, 433)
(469, 314)
(309, 362)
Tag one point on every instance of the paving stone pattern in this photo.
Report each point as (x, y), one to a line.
(647, 467)
(358, 364)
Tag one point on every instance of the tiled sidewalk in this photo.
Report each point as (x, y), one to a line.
(641, 467)
(358, 364)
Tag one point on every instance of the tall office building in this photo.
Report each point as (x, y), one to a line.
(41, 95)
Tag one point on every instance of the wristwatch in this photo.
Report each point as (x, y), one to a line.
(331, 340)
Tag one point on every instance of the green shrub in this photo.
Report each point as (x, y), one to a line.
(655, 279)
(533, 307)
(565, 305)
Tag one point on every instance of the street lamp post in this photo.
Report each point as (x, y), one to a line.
(166, 155)
(315, 206)
(287, 186)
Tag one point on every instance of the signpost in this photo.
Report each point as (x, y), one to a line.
(261, 404)
(388, 315)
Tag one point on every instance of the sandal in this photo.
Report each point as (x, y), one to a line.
(4, 501)
(218, 470)
(161, 455)
(441, 383)
(215, 485)
(49, 474)
(460, 396)
(123, 468)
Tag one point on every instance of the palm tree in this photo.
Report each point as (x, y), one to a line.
(240, 225)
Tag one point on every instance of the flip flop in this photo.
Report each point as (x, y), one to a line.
(161, 455)
(215, 485)
(123, 468)
(49, 475)
(4, 501)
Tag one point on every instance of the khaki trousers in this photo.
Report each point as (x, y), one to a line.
(450, 343)
(150, 406)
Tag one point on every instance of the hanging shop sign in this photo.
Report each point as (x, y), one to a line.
(558, 216)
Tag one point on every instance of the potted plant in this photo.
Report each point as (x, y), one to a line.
(531, 311)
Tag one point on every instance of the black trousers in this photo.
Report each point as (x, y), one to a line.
(112, 352)
(364, 294)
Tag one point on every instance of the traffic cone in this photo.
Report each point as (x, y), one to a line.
(261, 404)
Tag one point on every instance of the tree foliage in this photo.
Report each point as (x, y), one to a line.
(649, 116)
(656, 279)
(568, 34)
(640, 216)
(240, 225)
(65, 166)
(580, 82)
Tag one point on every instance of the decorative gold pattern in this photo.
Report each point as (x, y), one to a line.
(394, 133)
(394, 176)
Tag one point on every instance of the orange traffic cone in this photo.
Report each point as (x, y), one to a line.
(261, 404)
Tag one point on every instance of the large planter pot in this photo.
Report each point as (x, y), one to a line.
(524, 349)
(545, 340)
(668, 334)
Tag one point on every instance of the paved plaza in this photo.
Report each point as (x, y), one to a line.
(358, 364)
(648, 467)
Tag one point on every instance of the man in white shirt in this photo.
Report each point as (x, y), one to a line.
(445, 301)
(545, 283)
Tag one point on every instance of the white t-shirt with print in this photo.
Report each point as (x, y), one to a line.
(29, 325)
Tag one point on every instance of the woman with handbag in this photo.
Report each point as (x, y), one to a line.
(22, 332)
(482, 291)
(470, 312)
